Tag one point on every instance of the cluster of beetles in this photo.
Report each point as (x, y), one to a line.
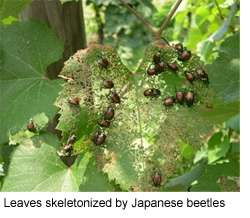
(159, 66)
(156, 68)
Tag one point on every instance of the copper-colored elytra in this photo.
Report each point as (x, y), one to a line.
(190, 76)
(172, 67)
(151, 72)
(99, 138)
(185, 55)
(157, 58)
(160, 67)
(190, 98)
(115, 97)
(104, 123)
(109, 113)
(157, 179)
(31, 126)
(168, 101)
(180, 97)
(201, 73)
(74, 101)
(103, 62)
(108, 84)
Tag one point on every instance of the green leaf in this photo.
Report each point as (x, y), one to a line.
(224, 72)
(219, 111)
(143, 135)
(12, 7)
(94, 179)
(234, 123)
(208, 182)
(183, 182)
(187, 151)
(36, 166)
(24, 90)
(218, 146)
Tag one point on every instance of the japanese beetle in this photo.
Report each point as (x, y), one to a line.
(109, 113)
(155, 92)
(178, 47)
(148, 92)
(108, 84)
(202, 75)
(151, 72)
(172, 67)
(179, 96)
(74, 101)
(190, 76)
(160, 67)
(189, 98)
(103, 62)
(157, 179)
(169, 101)
(104, 123)
(157, 58)
(99, 138)
(31, 126)
(152, 92)
(115, 98)
(184, 55)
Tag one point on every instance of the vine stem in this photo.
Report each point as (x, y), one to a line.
(155, 35)
(219, 10)
(146, 24)
(168, 18)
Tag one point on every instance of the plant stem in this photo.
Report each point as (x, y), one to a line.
(219, 10)
(146, 24)
(170, 15)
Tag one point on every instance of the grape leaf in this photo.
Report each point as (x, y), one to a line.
(209, 179)
(224, 72)
(36, 166)
(219, 111)
(183, 182)
(134, 139)
(234, 123)
(12, 8)
(24, 90)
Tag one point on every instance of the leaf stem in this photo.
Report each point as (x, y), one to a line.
(168, 18)
(219, 10)
(146, 24)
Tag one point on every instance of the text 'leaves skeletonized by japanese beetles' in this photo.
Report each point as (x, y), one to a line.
(109, 113)
(189, 98)
(115, 98)
(169, 101)
(99, 138)
(104, 123)
(31, 126)
(157, 179)
(103, 62)
(108, 84)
